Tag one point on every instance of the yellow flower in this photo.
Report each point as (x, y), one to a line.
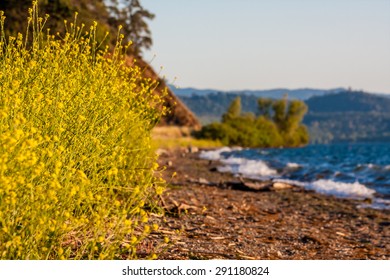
(133, 239)
(69, 116)
(159, 190)
(146, 229)
(60, 105)
(81, 118)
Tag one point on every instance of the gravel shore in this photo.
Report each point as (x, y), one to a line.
(212, 215)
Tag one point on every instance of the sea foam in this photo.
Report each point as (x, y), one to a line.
(240, 166)
(247, 167)
(335, 177)
(214, 154)
(339, 189)
(293, 165)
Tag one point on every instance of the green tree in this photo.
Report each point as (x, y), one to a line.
(17, 12)
(59, 10)
(280, 107)
(219, 131)
(268, 134)
(265, 107)
(295, 113)
(279, 124)
(233, 111)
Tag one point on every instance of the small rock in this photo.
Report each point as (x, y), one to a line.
(281, 186)
(203, 181)
(192, 149)
(162, 152)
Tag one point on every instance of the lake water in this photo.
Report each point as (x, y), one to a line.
(355, 171)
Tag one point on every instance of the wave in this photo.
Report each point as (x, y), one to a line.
(339, 189)
(246, 167)
(343, 190)
(260, 170)
(217, 154)
(255, 169)
(293, 165)
(369, 166)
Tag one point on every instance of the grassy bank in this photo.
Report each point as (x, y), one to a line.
(170, 137)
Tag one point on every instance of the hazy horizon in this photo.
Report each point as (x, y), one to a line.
(259, 45)
(275, 88)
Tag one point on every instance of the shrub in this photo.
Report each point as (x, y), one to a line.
(218, 131)
(268, 134)
(77, 172)
(277, 125)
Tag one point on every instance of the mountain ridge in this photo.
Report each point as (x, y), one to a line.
(345, 116)
(303, 93)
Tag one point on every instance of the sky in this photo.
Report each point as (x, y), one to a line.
(265, 44)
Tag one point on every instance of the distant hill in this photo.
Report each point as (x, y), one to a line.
(301, 94)
(210, 107)
(348, 116)
(348, 101)
(332, 116)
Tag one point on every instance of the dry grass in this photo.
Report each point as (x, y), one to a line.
(169, 132)
(170, 137)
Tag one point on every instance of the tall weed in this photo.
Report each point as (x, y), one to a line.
(77, 171)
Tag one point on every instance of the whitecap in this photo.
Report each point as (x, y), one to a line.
(214, 154)
(339, 189)
(247, 167)
(293, 165)
(343, 190)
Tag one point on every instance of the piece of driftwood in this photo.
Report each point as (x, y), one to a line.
(249, 186)
(200, 181)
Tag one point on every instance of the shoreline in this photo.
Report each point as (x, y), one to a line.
(368, 197)
(212, 215)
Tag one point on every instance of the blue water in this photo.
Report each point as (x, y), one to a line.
(354, 171)
(368, 164)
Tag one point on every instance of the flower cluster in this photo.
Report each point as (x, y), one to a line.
(77, 171)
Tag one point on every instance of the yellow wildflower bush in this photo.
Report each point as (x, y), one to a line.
(77, 171)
